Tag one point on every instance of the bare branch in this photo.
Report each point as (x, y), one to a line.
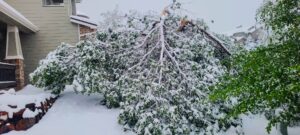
(144, 57)
(140, 45)
(162, 41)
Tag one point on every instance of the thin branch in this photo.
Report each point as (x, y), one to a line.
(162, 41)
(144, 57)
(140, 45)
(176, 63)
(213, 38)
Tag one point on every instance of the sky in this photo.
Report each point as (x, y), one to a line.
(226, 14)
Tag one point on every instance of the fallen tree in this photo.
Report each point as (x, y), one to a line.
(158, 69)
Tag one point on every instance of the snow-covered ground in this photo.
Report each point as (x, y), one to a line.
(75, 114)
(29, 94)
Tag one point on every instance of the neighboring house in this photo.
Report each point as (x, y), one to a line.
(243, 36)
(30, 29)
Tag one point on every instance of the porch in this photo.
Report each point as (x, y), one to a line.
(12, 23)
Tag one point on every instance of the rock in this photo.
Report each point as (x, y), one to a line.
(2, 122)
(10, 126)
(12, 106)
(3, 129)
(6, 127)
(45, 107)
(41, 107)
(17, 116)
(31, 106)
(3, 116)
(25, 124)
(52, 100)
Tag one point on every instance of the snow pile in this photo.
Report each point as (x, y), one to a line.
(30, 114)
(74, 114)
(12, 102)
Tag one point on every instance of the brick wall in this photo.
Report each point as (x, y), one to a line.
(84, 30)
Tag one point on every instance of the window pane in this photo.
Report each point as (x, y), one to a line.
(53, 2)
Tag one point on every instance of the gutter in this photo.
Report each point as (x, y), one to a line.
(17, 16)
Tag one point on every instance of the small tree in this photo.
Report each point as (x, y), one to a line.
(267, 80)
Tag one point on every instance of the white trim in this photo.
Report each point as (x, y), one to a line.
(7, 64)
(84, 24)
(15, 15)
(78, 30)
(87, 34)
(53, 5)
(83, 21)
(14, 57)
(4, 82)
(17, 46)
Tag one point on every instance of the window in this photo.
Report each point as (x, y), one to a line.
(73, 7)
(53, 2)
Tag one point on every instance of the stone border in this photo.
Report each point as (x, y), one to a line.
(18, 123)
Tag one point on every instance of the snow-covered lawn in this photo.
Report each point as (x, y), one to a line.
(76, 114)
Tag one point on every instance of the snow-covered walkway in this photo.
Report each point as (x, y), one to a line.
(75, 114)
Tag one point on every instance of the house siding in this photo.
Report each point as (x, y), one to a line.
(54, 28)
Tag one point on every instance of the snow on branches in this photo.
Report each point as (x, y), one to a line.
(159, 75)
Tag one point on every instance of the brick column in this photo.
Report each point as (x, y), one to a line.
(20, 74)
(20, 77)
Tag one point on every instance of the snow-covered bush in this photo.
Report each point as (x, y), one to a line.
(55, 71)
(158, 69)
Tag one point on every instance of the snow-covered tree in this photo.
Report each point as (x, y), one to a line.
(158, 69)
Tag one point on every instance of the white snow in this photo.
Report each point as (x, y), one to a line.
(30, 114)
(29, 94)
(256, 125)
(76, 114)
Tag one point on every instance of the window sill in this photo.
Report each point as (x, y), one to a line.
(54, 5)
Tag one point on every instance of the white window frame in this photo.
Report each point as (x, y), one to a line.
(17, 46)
(61, 5)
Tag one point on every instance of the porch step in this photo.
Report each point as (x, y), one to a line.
(8, 84)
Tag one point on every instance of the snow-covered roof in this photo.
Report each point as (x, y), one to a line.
(83, 21)
(248, 29)
(12, 13)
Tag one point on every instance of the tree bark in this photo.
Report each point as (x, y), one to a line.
(282, 129)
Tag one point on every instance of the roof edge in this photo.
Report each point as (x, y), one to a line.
(17, 16)
(83, 21)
